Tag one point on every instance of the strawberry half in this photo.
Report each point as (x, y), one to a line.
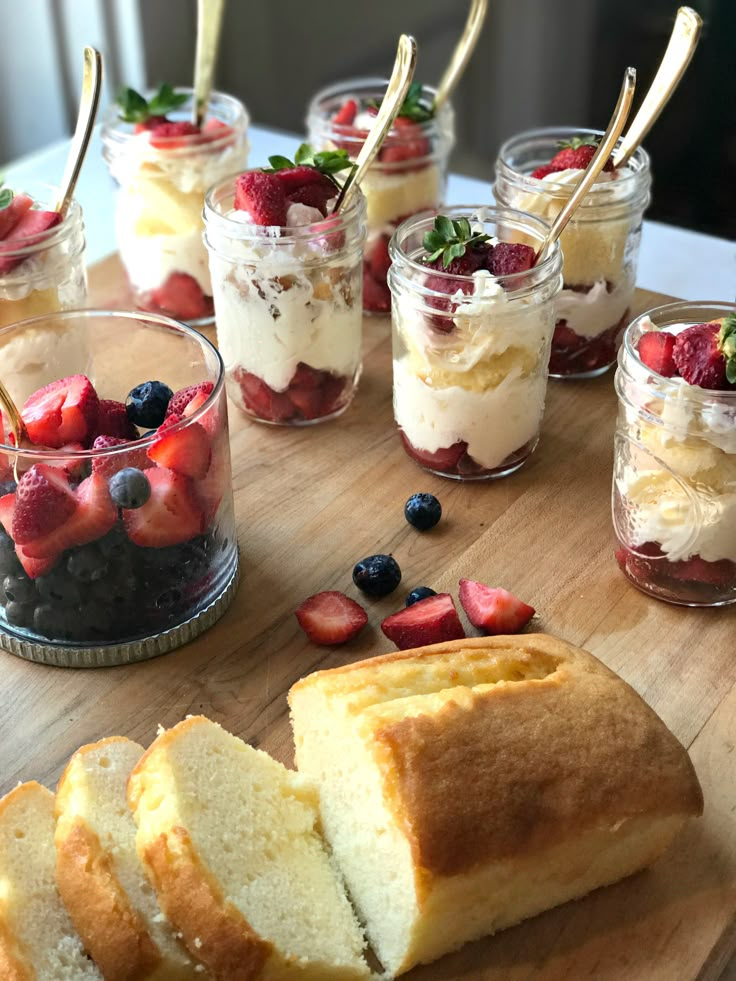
(26, 231)
(261, 399)
(107, 464)
(700, 356)
(575, 155)
(43, 501)
(430, 621)
(511, 257)
(112, 420)
(186, 450)
(493, 610)
(7, 510)
(181, 295)
(172, 135)
(11, 215)
(656, 349)
(262, 196)
(345, 115)
(170, 516)
(65, 411)
(181, 400)
(331, 618)
(94, 515)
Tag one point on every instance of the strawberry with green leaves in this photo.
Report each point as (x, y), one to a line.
(574, 154)
(152, 116)
(454, 247)
(705, 354)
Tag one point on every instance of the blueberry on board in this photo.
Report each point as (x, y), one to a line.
(129, 488)
(377, 575)
(423, 511)
(420, 593)
(146, 404)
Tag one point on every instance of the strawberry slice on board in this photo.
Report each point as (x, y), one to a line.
(331, 618)
(64, 411)
(26, 231)
(430, 621)
(13, 212)
(44, 500)
(656, 349)
(262, 196)
(493, 609)
(186, 450)
(94, 515)
(170, 516)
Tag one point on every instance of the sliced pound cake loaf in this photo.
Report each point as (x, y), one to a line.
(230, 841)
(99, 874)
(37, 939)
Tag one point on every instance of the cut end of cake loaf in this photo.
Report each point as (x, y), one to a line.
(231, 844)
(99, 875)
(37, 939)
(469, 785)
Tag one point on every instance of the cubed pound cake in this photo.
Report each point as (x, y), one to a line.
(469, 785)
(37, 939)
(230, 840)
(100, 877)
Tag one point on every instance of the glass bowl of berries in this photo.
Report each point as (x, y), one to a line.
(409, 174)
(163, 165)
(537, 172)
(674, 482)
(473, 316)
(117, 533)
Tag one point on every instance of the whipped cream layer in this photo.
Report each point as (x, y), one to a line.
(593, 312)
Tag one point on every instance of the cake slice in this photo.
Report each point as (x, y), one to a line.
(471, 784)
(230, 841)
(99, 875)
(37, 939)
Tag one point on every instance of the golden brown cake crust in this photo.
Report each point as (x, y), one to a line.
(12, 967)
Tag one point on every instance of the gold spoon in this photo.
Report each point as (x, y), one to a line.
(597, 163)
(88, 102)
(461, 54)
(398, 86)
(209, 26)
(680, 49)
(17, 426)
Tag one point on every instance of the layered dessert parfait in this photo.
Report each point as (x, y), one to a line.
(163, 165)
(116, 521)
(674, 490)
(286, 276)
(41, 257)
(409, 174)
(536, 172)
(473, 317)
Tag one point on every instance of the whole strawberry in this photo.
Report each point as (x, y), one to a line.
(705, 354)
(574, 154)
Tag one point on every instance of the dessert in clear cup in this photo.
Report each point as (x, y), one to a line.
(674, 487)
(163, 165)
(473, 316)
(536, 172)
(409, 175)
(41, 257)
(286, 276)
(117, 536)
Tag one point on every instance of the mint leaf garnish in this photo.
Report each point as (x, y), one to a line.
(6, 196)
(413, 107)
(450, 239)
(135, 109)
(327, 162)
(727, 344)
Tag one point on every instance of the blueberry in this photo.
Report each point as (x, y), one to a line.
(146, 404)
(129, 488)
(45, 619)
(87, 564)
(8, 559)
(423, 511)
(114, 544)
(19, 614)
(419, 593)
(59, 588)
(19, 589)
(377, 575)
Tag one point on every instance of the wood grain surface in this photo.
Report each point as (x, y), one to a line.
(309, 504)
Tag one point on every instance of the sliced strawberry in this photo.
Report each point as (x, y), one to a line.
(181, 296)
(43, 501)
(294, 178)
(719, 573)
(262, 196)
(260, 399)
(186, 450)
(445, 459)
(331, 618)
(148, 124)
(31, 225)
(376, 295)
(73, 466)
(345, 115)
(565, 337)
(378, 259)
(511, 257)
(10, 216)
(180, 400)
(65, 411)
(493, 610)
(172, 135)
(107, 464)
(572, 156)
(656, 348)
(544, 171)
(113, 420)
(34, 568)
(698, 357)
(314, 196)
(171, 515)
(429, 621)
(7, 509)
(94, 515)
(406, 142)
(215, 129)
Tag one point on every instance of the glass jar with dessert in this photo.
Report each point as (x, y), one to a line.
(286, 276)
(41, 256)
(409, 174)
(117, 531)
(473, 316)
(674, 483)
(536, 172)
(163, 165)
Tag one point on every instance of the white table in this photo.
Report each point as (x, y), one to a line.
(672, 260)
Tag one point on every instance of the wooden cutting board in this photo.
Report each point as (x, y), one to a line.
(309, 504)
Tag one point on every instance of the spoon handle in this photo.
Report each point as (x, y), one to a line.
(209, 26)
(88, 102)
(461, 54)
(681, 47)
(398, 86)
(598, 161)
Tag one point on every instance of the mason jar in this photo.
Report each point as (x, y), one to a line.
(288, 308)
(674, 481)
(408, 176)
(161, 187)
(44, 272)
(470, 353)
(600, 245)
